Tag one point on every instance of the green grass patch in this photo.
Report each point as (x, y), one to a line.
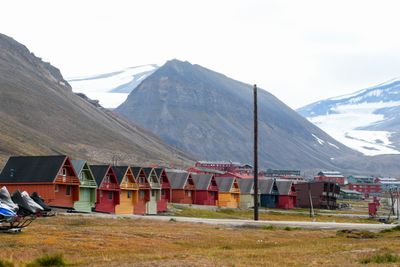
(288, 228)
(269, 227)
(381, 258)
(48, 260)
(6, 263)
(391, 230)
(357, 234)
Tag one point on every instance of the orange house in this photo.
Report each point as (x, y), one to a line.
(229, 192)
(129, 190)
(52, 177)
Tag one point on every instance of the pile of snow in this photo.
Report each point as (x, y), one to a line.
(100, 87)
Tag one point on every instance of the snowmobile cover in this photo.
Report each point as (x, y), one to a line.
(6, 214)
(5, 199)
(24, 208)
(35, 196)
(31, 202)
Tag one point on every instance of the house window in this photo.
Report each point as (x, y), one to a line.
(68, 190)
(153, 193)
(110, 195)
(107, 180)
(129, 194)
(163, 192)
(56, 188)
(141, 180)
(142, 194)
(63, 172)
(189, 193)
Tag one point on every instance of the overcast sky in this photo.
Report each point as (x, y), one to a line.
(301, 51)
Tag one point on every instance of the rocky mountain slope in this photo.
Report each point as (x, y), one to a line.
(39, 114)
(367, 120)
(111, 89)
(210, 116)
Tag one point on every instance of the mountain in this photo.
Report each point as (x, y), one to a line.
(367, 120)
(39, 114)
(210, 116)
(111, 89)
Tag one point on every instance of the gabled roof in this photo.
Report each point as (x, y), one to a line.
(136, 171)
(284, 186)
(147, 171)
(32, 169)
(178, 179)
(120, 172)
(265, 186)
(246, 186)
(202, 181)
(158, 172)
(78, 165)
(225, 184)
(99, 172)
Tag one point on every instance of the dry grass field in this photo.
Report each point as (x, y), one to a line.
(84, 241)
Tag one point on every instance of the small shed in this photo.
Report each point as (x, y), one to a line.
(165, 189)
(206, 189)
(269, 195)
(246, 193)
(229, 192)
(155, 193)
(143, 192)
(129, 190)
(87, 187)
(52, 177)
(287, 194)
(183, 189)
(108, 190)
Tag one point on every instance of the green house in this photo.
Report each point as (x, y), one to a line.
(87, 187)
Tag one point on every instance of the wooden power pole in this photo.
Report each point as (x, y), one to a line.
(255, 156)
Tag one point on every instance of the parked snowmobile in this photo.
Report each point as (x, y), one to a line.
(46, 209)
(5, 199)
(24, 208)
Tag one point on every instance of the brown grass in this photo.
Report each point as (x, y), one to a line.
(127, 242)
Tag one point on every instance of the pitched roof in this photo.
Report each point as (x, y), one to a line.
(136, 171)
(158, 172)
(246, 186)
(265, 186)
(147, 171)
(99, 172)
(202, 181)
(78, 165)
(32, 169)
(120, 172)
(225, 183)
(177, 179)
(284, 186)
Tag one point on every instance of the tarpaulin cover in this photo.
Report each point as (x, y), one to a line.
(35, 196)
(31, 202)
(5, 199)
(24, 208)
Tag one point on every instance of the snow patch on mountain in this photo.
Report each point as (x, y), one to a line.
(111, 89)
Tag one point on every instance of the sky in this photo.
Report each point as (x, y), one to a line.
(300, 51)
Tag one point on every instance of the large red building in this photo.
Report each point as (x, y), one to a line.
(226, 166)
(331, 176)
(368, 189)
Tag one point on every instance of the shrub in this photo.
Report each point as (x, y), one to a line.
(381, 258)
(287, 228)
(357, 234)
(172, 220)
(48, 260)
(6, 263)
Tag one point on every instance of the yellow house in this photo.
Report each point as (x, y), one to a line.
(228, 192)
(129, 190)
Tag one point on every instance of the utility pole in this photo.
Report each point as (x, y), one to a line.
(255, 173)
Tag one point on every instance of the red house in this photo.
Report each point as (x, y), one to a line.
(52, 177)
(165, 190)
(330, 176)
(206, 189)
(108, 191)
(287, 194)
(144, 190)
(182, 187)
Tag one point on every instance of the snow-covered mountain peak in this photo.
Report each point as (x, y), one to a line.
(366, 120)
(111, 89)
